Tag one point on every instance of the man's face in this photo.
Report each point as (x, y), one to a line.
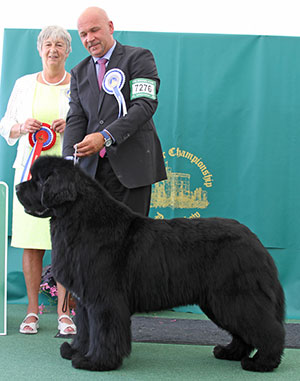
(96, 34)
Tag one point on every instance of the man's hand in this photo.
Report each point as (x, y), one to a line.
(90, 145)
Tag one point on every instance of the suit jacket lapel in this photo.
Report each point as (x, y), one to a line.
(115, 57)
(92, 77)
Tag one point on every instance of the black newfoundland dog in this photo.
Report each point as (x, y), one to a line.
(116, 262)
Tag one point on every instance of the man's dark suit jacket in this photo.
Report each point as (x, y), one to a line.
(136, 155)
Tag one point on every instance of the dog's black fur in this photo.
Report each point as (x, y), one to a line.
(116, 263)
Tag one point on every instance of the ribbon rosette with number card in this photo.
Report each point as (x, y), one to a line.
(41, 140)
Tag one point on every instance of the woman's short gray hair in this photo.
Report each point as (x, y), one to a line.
(55, 33)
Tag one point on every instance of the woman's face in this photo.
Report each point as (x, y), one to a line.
(53, 53)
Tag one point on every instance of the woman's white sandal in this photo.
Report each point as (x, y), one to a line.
(34, 325)
(62, 327)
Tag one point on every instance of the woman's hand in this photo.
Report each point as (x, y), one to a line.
(19, 129)
(30, 126)
(59, 125)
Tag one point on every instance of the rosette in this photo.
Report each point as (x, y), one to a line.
(112, 84)
(40, 140)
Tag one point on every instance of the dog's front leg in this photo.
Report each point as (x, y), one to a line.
(80, 343)
(110, 337)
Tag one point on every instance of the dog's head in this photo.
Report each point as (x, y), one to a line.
(51, 189)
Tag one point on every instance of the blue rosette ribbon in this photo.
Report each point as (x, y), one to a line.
(112, 84)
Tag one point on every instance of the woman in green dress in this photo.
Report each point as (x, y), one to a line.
(37, 99)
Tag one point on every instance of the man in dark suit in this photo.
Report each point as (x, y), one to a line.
(115, 117)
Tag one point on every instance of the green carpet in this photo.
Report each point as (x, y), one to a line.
(36, 357)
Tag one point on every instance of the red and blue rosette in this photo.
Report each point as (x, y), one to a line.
(41, 140)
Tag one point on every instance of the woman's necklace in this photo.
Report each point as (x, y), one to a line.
(54, 84)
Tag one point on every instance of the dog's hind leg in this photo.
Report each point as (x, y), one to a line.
(234, 351)
(257, 327)
(269, 341)
(80, 342)
(110, 337)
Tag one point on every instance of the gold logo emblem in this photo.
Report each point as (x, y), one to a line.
(176, 192)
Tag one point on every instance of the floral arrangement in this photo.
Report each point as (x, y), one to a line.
(48, 288)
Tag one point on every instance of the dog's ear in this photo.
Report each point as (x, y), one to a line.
(57, 190)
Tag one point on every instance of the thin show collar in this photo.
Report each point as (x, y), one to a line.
(107, 55)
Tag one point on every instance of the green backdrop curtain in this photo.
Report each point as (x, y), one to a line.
(228, 119)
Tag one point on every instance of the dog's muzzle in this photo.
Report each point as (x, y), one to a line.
(41, 212)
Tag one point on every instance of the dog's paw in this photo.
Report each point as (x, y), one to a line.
(82, 362)
(66, 351)
(226, 353)
(255, 364)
